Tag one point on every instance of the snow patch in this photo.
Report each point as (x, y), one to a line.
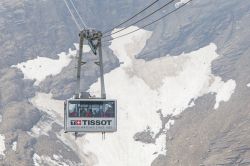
(169, 124)
(76, 145)
(57, 160)
(14, 145)
(36, 159)
(248, 85)
(180, 3)
(41, 67)
(85, 48)
(224, 90)
(41, 128)
(2, 145)
(52, 107)
(194, 79)
(54, 110)
(137, 109)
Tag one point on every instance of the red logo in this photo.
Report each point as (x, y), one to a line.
(78, 122)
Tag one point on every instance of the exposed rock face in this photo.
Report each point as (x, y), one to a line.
(204, 136)
(200, 136)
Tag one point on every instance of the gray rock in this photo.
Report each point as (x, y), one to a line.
(13, 87)
(144, 136)
(19, 115)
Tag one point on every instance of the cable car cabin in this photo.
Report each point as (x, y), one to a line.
(90, 115)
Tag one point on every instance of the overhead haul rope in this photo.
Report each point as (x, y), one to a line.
(83, 23)
(77, 24)
(131, 17)
(184, 4)
(72, 15)
(156, 49)
(166, 4)
(106, 41)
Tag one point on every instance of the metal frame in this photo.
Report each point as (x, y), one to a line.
(94, 40)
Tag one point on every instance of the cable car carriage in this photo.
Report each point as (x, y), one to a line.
(83, 113)
(90, 115)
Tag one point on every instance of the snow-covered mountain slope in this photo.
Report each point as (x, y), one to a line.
(145, 91)
(139, 104)
(212, 130)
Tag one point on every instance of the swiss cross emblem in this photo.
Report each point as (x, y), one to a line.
(78, 122)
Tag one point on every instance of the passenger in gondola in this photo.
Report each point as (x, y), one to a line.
(97, 113)
(89, 113)
(94, 113)
(73, 114)
(103, 113)
(82, 112)
(72, 110)
(107, 110)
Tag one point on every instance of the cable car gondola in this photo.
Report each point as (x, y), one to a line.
(83, 113)
(90, 115)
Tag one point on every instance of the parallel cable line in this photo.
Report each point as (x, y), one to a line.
(72, 15)
(131, 17)
(83, 23)
(184, 4)
(168, 3)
